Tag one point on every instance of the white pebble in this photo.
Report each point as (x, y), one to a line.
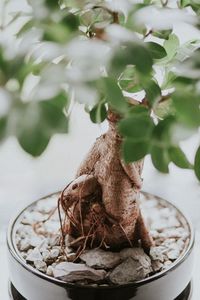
(34, 255)
(40, 265)
(46, 255)
(54, 253)
(49, 271)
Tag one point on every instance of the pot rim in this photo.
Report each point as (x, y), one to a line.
(14, 252)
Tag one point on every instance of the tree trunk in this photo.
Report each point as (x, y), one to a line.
(102, 202)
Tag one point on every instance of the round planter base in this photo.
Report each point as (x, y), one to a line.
(166, 285)
(15, 295)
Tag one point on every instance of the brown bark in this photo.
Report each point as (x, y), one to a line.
(102, 202)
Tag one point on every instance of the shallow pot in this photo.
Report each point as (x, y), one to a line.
(28, 283)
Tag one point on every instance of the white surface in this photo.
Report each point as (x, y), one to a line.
(23, 179)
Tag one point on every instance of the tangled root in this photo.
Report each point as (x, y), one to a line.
(88, 222)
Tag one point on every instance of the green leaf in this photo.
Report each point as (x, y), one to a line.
(99, 113)
(26, 27)
(71, 21)
(162, 34)
(164, 109)
(178, 157)
(160, 158)
(197, 163)
(184, 3)
(52, 115)
(168, 80)
(3, 67)
(138, 110)
(114, 95)
(18, 68)
(52, 4)
(137, 127)
(132, 54)
(187, 107)
(56, 32)
(153, 92)
(36, 122)
(141, 58)
(129, 80)
(171, 46)
(162, 131)
(187, 49)
(133, 150)
(183, 81)
(3, 124)
(147, 1)
(156, 50)
(33, 140)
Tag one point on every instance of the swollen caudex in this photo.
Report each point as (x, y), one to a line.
(101, 203)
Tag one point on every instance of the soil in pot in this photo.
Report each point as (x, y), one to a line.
(38, 242)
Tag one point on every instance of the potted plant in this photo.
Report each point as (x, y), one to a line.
(123, 61)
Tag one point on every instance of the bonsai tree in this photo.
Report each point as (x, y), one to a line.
(124, 62)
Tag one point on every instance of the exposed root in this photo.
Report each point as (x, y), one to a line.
(93, 225)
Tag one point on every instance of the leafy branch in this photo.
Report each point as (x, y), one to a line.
(105, 55)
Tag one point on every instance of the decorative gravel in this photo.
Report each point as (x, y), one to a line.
(43, 252)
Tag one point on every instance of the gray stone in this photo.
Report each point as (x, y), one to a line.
(156, 265)
(40, 265)
(34, 255)
(173, 254)
(137, 254)
(167, 264)
(71, 272)
(128, 271)
(101, 259)
(157, 253)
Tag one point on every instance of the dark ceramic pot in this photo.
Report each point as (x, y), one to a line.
(28, 283)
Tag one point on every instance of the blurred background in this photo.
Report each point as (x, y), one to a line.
(24, 178)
